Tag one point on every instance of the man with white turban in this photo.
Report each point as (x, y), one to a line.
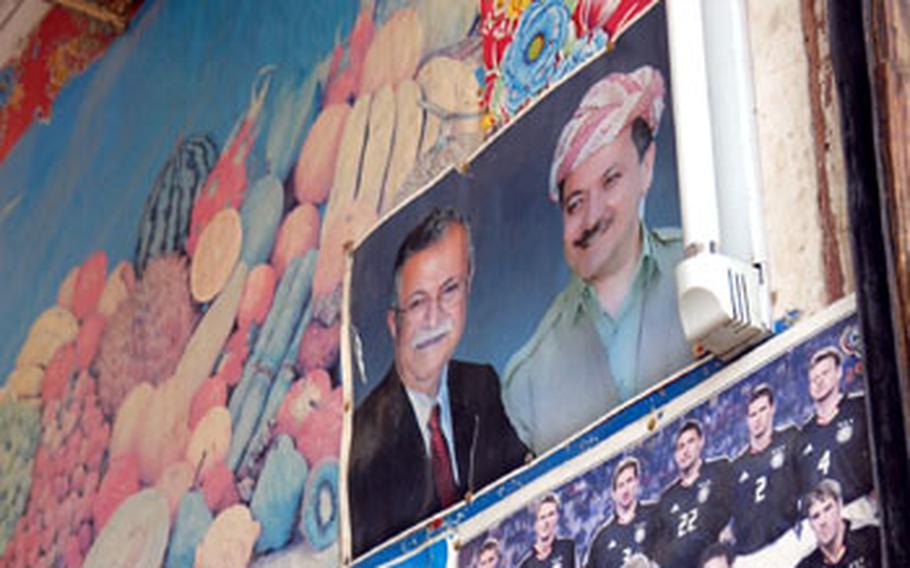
(614, 331)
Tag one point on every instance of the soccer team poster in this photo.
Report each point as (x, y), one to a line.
(765, 452)
(767, 462)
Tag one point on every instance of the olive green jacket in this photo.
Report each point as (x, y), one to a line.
(561, 380)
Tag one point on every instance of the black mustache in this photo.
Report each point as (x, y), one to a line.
(584, 240)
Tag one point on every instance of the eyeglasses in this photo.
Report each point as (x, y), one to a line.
(449, 294)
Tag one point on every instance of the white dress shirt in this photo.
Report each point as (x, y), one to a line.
(423, 407)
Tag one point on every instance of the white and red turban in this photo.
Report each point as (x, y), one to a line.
(609, 106)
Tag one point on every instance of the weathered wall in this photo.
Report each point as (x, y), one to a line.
(802, 161)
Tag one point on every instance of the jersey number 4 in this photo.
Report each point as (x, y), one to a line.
(824, 464)
(687, 523)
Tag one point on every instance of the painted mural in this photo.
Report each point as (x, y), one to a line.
(172, 246)
(60, 47)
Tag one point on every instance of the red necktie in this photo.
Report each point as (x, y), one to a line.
(440, 462)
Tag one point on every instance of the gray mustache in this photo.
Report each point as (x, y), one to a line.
(431, 335)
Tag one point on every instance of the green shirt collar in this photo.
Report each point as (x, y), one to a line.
(582, 295)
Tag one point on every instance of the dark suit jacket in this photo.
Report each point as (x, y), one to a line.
(390, 480)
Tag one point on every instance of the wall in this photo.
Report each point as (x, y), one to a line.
(802, 160)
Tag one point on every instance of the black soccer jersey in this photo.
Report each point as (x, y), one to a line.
(765, 492)
(562, 555)
(838, 450)
(615, 543)
(688, 519)
(863, 551)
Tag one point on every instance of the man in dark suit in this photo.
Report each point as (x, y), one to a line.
(434, 428)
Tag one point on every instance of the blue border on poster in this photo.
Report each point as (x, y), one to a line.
(393, 551)
(433, 528)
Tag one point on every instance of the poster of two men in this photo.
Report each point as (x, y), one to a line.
(519, 297)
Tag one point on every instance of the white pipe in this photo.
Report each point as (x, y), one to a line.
(737, 159)
(692, 117)
(736, 156)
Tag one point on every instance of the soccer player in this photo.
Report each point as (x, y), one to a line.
(765, 490)
(549, 551)
(489, 554)
(835, 442)
(839, 545)
(694, 508)
(627, 531)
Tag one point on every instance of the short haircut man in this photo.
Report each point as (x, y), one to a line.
(838, 543)
(434, 428)
(489, 555)
(826, 490)
(695, 507)
(834, 441)
(614, 331)
(549, 550)
(825, 374)
(427, 234)
(829, 352)
(762, 390)
(628, 532)
(690, 425)
(628, 464)
(765, 476)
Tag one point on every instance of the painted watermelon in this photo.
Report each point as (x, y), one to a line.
(165, 223)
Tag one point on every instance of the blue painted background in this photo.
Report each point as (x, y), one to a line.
(183, 67)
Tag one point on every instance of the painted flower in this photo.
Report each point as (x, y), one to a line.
(591, 15)
(531, 59)
(851, 343)
(580, 51)
(624, 14)
(517, 7)
(496, 30)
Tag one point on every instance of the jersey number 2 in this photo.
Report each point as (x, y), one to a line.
(760, 484)
(687, 523)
